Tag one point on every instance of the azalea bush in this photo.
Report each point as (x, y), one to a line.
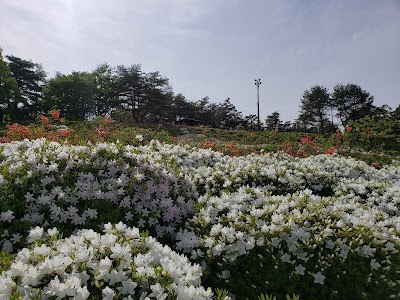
(320, 247)
(118, 264)
(368, 133)
(305, 147)
(51, 184)
(324, 227)
(101, 129)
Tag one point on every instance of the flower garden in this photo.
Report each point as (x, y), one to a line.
(152, 220)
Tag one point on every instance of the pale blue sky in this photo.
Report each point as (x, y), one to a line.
(217, 48)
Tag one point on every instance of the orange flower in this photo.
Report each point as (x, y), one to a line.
(349, 129)
(63, 132)
(369, 136)
(44, 118)
(55, 114)
(330, 151)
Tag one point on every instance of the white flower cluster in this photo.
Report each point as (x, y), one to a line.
(305, 231)
(119, 262)
(325, 175)
(77, 185)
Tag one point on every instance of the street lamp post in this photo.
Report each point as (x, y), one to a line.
(257, 83)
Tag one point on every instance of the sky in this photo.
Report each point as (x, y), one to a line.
(217, 48)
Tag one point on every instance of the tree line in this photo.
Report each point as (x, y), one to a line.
(131, 94)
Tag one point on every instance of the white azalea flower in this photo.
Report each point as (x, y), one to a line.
(374, 264)
(108, 293)
(52, 232)
(128, 287)
(35, 234)
(319, 278)
(300, 269)
(7, 216)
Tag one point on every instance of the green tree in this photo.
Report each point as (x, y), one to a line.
(250, 122)
(145, 95)
(202, 111)
(314, 106)
(382, 112)
(181, 108)
(351, 102)
(73, 94)
(273, 121)
(287, 126)
(105, 90)
(230, 115)
(9, 93)
(131, 89)
(158, 97)
(395, 115)
(30, 78)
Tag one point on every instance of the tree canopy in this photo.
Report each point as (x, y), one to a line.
(9, 93)
(314, 107)
(351, 102)
(73, 94)
(30, 79)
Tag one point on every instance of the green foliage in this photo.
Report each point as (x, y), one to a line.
(314, 107)
(144, 95)
(221, 294)
(9, 93)
(105, 89)
(294, 297)
(30, 78)
(396, 117)
(72, 94)
(351, 102)
(271, 297)
(5, 260)
(369, 133)
(266, 297)
(273, 122)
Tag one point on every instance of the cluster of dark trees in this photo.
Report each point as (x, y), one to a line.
(129, 93)
(124, 92)
(348, 102)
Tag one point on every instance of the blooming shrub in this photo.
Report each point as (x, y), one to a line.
(51, 184)
(119, 263)
(368, 133)
(321, 247)
(305, 147)
(322, 226)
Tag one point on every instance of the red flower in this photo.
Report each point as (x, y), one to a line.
(330, 151)
(55, 114)
(44, 118)
(349, 129)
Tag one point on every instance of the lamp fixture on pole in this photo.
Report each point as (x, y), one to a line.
(257, 83)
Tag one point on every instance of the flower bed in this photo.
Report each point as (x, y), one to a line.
(325, 226)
